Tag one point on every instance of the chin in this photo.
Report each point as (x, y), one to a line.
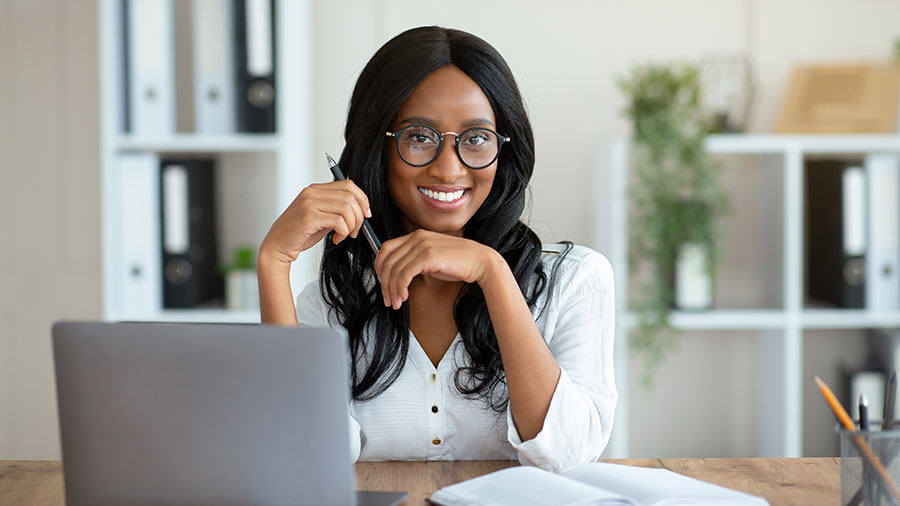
(443, 226)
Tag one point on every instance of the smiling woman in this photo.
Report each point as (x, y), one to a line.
(510, 341)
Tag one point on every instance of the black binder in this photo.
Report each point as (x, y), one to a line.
(255, 83)
(189, 240)
(834, 275)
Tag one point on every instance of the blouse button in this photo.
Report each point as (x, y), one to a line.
(433, 378)
(434, 409)
(435, 441)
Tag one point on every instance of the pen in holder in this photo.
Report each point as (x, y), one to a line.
(861, 483)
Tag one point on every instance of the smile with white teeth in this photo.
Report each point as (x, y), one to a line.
(442, 196)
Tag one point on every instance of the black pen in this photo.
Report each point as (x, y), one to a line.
(366, 228)
(890, 393)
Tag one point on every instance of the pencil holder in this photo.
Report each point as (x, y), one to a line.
(870, 467)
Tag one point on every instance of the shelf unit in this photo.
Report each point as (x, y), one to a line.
(262, 172)
(780, 343)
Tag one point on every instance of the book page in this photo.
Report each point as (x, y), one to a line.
(524, 486)
(658, 486)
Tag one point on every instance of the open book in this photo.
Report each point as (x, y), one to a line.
(589, 484)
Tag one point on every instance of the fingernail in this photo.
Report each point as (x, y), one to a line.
(386, 302)
(369, 213)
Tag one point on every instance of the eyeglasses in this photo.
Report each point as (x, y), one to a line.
(419, 145)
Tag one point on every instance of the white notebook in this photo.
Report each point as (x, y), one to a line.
(589, 484)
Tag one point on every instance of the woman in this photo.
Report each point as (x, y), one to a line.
(467, 339)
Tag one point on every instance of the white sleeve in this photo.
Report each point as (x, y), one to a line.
(580, 417)
(312, 311)
(355, 439)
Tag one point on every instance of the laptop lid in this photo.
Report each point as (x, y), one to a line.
(162, 413)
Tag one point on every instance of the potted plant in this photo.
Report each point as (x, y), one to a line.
(241, 288)
(676, 202)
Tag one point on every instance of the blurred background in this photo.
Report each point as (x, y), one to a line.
(146, 146)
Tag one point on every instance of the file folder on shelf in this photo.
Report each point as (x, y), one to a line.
(190, 273)
(883, 260)
(254, 22)
(139, 273)
(214, 79)
(836, 243)
(150, 64)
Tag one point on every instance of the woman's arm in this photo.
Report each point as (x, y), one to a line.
(531, 371)
(276, 300)
(320, 208)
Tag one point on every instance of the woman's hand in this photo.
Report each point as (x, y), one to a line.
(318, 209)
(441, 256)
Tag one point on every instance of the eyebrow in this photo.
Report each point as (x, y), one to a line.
(430, 122)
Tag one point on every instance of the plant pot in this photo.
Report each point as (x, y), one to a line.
(693, 284)
(241, 290)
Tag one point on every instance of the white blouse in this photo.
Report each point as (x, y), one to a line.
(422, 416)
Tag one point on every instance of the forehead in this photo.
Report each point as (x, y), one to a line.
(449, 97)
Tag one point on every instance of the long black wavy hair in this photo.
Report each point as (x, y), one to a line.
(348, 283)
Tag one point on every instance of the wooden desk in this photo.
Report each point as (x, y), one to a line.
(812, 481)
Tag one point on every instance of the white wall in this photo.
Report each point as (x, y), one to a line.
(565, 55)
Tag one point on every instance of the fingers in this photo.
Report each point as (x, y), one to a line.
(348, 186)
(398, 262)
(337, 223)
(360, 196)
(398, 273)
(345, 205)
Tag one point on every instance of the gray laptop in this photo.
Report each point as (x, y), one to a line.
(177, 414)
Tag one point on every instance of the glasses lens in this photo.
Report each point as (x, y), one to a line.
(418, 145)
(478, 147)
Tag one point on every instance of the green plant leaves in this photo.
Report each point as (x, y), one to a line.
(675, 193)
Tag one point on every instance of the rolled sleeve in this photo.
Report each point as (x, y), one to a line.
(579, 420)
(355, 439)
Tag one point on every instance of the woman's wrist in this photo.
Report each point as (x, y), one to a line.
(269, 260)
(495, 269)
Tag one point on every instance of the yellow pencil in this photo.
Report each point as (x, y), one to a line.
(848, 424)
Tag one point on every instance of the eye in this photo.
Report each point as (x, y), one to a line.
(419, 135)
(477, 138)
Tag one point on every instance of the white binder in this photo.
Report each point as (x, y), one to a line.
(151, 66)
(883, 262)
(140, 274)
(214, 79)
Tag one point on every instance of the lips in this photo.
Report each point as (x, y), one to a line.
(444, 198)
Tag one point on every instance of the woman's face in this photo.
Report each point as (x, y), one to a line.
(449, 101)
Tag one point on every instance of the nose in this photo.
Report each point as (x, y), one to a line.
(447, 166)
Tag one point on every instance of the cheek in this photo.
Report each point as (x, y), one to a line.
(485, 182)
(398, 178)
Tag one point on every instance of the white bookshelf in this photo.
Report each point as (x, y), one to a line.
(194, 143)
(258, 174)
(780, 344)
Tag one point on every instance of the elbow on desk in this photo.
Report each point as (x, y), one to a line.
(570, 442)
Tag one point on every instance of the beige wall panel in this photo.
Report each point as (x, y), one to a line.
(50, 204)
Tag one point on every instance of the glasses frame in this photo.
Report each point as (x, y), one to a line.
(501, 140)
